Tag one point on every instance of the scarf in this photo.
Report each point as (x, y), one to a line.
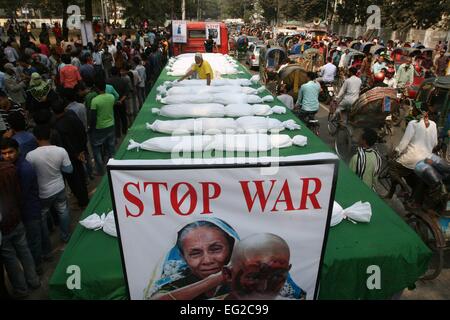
(39, 88)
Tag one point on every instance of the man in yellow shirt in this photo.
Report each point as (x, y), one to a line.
(203, 69)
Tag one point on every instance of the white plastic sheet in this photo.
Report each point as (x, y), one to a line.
(227, 142)
(188, 90)
(215, 110)
(358, 212)
(222, 98)
(247, 124)
(173, 143)
(215, 82)
(106, 222)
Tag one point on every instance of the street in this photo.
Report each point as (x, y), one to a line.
(425, 290)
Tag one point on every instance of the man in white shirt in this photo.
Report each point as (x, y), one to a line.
(349, 92)
(417, 144)
(142, 80)
(328, 72)
(112, 48)
(50, 162)
(343, 58)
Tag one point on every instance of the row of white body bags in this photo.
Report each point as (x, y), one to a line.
(214, 82)
(216, 110)
(247, 124)
(222, 98)
(220, 142)
(189, 90)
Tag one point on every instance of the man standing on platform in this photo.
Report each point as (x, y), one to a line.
(203, 69)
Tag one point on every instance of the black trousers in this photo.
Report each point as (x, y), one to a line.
(397, 172)
(77, 182)
(120, 119)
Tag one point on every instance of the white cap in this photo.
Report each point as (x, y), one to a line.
(198, 55)
(338, 49)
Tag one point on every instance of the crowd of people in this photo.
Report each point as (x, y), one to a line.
(64, 107)
(414, 163)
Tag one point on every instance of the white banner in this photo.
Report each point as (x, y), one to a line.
(179, 31)
(213, 29)
(223, 231)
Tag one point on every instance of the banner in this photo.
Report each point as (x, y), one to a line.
(179, 31)
(213, 29)
(222, 231)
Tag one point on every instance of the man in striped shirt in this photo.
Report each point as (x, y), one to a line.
(366, 163)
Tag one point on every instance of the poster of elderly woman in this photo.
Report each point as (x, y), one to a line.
(195, 268)
(222, 232)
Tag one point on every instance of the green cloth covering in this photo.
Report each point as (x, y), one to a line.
(104, 105)
(387, 241)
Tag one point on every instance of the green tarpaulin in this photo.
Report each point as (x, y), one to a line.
(386, 242)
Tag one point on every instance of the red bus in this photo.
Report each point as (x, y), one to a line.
(196, 36)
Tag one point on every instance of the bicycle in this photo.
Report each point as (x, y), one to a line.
(308, 118)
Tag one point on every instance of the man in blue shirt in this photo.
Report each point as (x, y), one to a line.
(308, 95)
(37, 235)
(27, 142)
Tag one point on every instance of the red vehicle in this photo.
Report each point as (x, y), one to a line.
(196, 36)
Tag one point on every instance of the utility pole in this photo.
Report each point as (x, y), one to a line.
(198, 10)
(183, 10)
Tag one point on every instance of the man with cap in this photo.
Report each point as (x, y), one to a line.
(337, 56)
(203, 69)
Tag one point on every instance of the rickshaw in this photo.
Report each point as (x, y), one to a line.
(399, 55)
(427, 52)
(269, 62)
(377, 49)
(355, 44)
(295, 58)
(285, 40)
(311, 60)
(294, 76)
(434, 96)
(431, 220)
(353, 58)
(371, 110)
(365, 47)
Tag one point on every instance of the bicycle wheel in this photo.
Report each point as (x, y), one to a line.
(343, 143)
(332, 124)
(428, 234)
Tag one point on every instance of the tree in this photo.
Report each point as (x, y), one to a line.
(269, 8)
(11, 6)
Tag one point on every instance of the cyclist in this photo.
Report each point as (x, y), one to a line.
(308, 97)
(349, 92)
